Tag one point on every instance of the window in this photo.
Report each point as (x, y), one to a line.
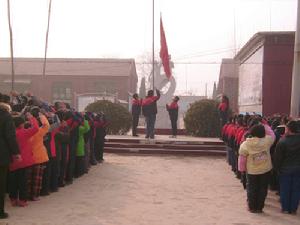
(107, 86)
(61, 91)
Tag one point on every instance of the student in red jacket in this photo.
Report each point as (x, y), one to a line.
(149, 109)
(17, 180)
(172, 108)
(135, 112)
(224, 110)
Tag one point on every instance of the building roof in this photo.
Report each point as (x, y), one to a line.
(70, 67)
(256, 41)
(228, 68)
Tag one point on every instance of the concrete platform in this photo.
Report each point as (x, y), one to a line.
(166, 138)
(163, 144)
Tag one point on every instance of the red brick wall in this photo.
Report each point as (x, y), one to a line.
(277, 74)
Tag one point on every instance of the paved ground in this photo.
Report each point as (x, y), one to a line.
(150, 190)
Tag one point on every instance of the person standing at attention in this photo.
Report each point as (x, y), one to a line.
(223, 110)
(149, 109)
(172, 108)
(135, 111)
(255, 160)
(287, 164)
(9, 148)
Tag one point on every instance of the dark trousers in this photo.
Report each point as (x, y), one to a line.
(102, 148)
(232, 159)
(135, 123)
(17, 184)
(274, 182)
(236, 159)
(46, 178)
(223, 121)
(87, 156)
(50, 176)
(150, 124)
(3, 178)
(257, 190)
(54, 174)
(290, 191)
(99, 148)
(228, 155)
(99, 143)
(92, 151)
(174, 125)
(72, 161)
(79, 166)
(63, 164)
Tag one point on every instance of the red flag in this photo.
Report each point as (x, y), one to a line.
(164, 54)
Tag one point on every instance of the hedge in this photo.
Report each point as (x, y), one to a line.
(118, 116)
(202, 119)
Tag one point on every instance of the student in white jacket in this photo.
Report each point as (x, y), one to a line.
(255, 160)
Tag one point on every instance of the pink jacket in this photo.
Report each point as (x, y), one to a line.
(23, 138)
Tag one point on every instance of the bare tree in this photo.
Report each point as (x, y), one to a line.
(144, 68)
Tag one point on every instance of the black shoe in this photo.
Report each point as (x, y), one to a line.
(54, 190)
(3, 215)
(146, 136)
(284, 212)
(93, 163)
(135, 135)
(68, 182)
(44, 193)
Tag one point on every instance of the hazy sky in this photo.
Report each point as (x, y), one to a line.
(199, 32)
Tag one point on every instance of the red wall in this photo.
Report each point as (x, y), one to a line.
(277, 74)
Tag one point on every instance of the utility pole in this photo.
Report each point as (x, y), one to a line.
(234, 28)
(295, 95)
(47, 35)
(153, 5)
(11, 48)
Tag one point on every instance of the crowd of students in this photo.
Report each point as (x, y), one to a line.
(44, 147)
(264, 153)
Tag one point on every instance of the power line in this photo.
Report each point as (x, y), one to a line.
(204, 53)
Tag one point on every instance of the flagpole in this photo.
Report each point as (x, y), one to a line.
(153, 43)
(11, 47)
(47, 35)
(295, 93)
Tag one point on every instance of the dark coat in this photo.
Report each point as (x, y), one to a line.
(8, 142)
(287, 154)
(136, 107)
(149, 106)
(173, 110)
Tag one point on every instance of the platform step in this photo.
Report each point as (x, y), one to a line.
(158, 141)
(165, 146)
(164, 151)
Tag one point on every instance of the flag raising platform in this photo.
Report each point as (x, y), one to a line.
(162, 144)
